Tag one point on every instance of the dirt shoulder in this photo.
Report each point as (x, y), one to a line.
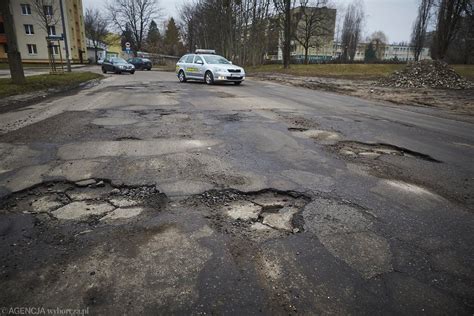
(454, 101)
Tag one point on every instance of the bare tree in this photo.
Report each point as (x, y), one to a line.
(418, 36)
(46, 13)
(313, 24)
(136, 15)
(283, 9)
(14, 56)
(448, 24)
(352, 30)
(95, 26)
(378, 40)
(237, 29)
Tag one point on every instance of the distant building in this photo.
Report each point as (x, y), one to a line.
(321, 44)
(114, 46)
(400, 52)
(91, 50)
(31, 35)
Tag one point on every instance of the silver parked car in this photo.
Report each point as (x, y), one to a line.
(206, 65)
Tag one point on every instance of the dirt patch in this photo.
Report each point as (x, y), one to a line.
(298, 123)
(454, 100)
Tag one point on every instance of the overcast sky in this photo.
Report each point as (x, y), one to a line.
(393, 17)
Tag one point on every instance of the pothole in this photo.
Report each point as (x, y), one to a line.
(87, 201)
(297, 129)
(257, 215)
(230, 117)
(352, 149)
(225, 95)
(316, 134)
(127, 138)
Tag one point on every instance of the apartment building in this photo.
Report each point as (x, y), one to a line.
(32, 30)
(400, 52)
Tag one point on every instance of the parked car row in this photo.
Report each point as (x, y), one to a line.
(203, 65)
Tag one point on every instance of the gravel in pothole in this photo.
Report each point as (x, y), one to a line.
(88, 200)
(256, 216)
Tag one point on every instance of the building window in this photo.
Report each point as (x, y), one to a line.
(48, 10)
(51, 30)
(2, 28)
(32, 49)
(25, 9)
(55, 49)
(29, 30)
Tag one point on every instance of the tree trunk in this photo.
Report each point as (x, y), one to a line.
(14, 56)
(95, 52)
(306, 60)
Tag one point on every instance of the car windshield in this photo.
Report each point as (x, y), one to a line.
(118, 60)
(145, 60)
(215, 59)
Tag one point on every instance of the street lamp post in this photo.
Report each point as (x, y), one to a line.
(66, 46)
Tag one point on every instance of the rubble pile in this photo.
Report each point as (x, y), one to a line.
(426, 74)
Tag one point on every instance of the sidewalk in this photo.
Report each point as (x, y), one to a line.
(31, 71)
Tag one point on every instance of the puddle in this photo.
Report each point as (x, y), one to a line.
(409, 188)
(352, 149)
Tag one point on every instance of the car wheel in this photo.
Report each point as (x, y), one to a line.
(104, 70)
(209, 78)
(132, 72)
(237, 82)
(181, 76)
(149, 69)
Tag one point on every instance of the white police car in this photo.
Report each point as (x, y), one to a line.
(205, 65)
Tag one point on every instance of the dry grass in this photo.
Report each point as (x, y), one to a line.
(348, 71)
(343, 71)
(467, 71)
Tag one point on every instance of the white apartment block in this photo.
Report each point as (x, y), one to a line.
(31, 31)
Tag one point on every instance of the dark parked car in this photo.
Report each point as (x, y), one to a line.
(141, 63)
(117, 65)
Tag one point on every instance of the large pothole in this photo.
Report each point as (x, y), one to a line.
(87, 201)
(257, 215)
(353, 149)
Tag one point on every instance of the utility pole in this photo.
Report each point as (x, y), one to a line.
(66, 46)
(14, 56)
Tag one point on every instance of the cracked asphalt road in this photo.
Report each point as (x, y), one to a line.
(143, 195)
